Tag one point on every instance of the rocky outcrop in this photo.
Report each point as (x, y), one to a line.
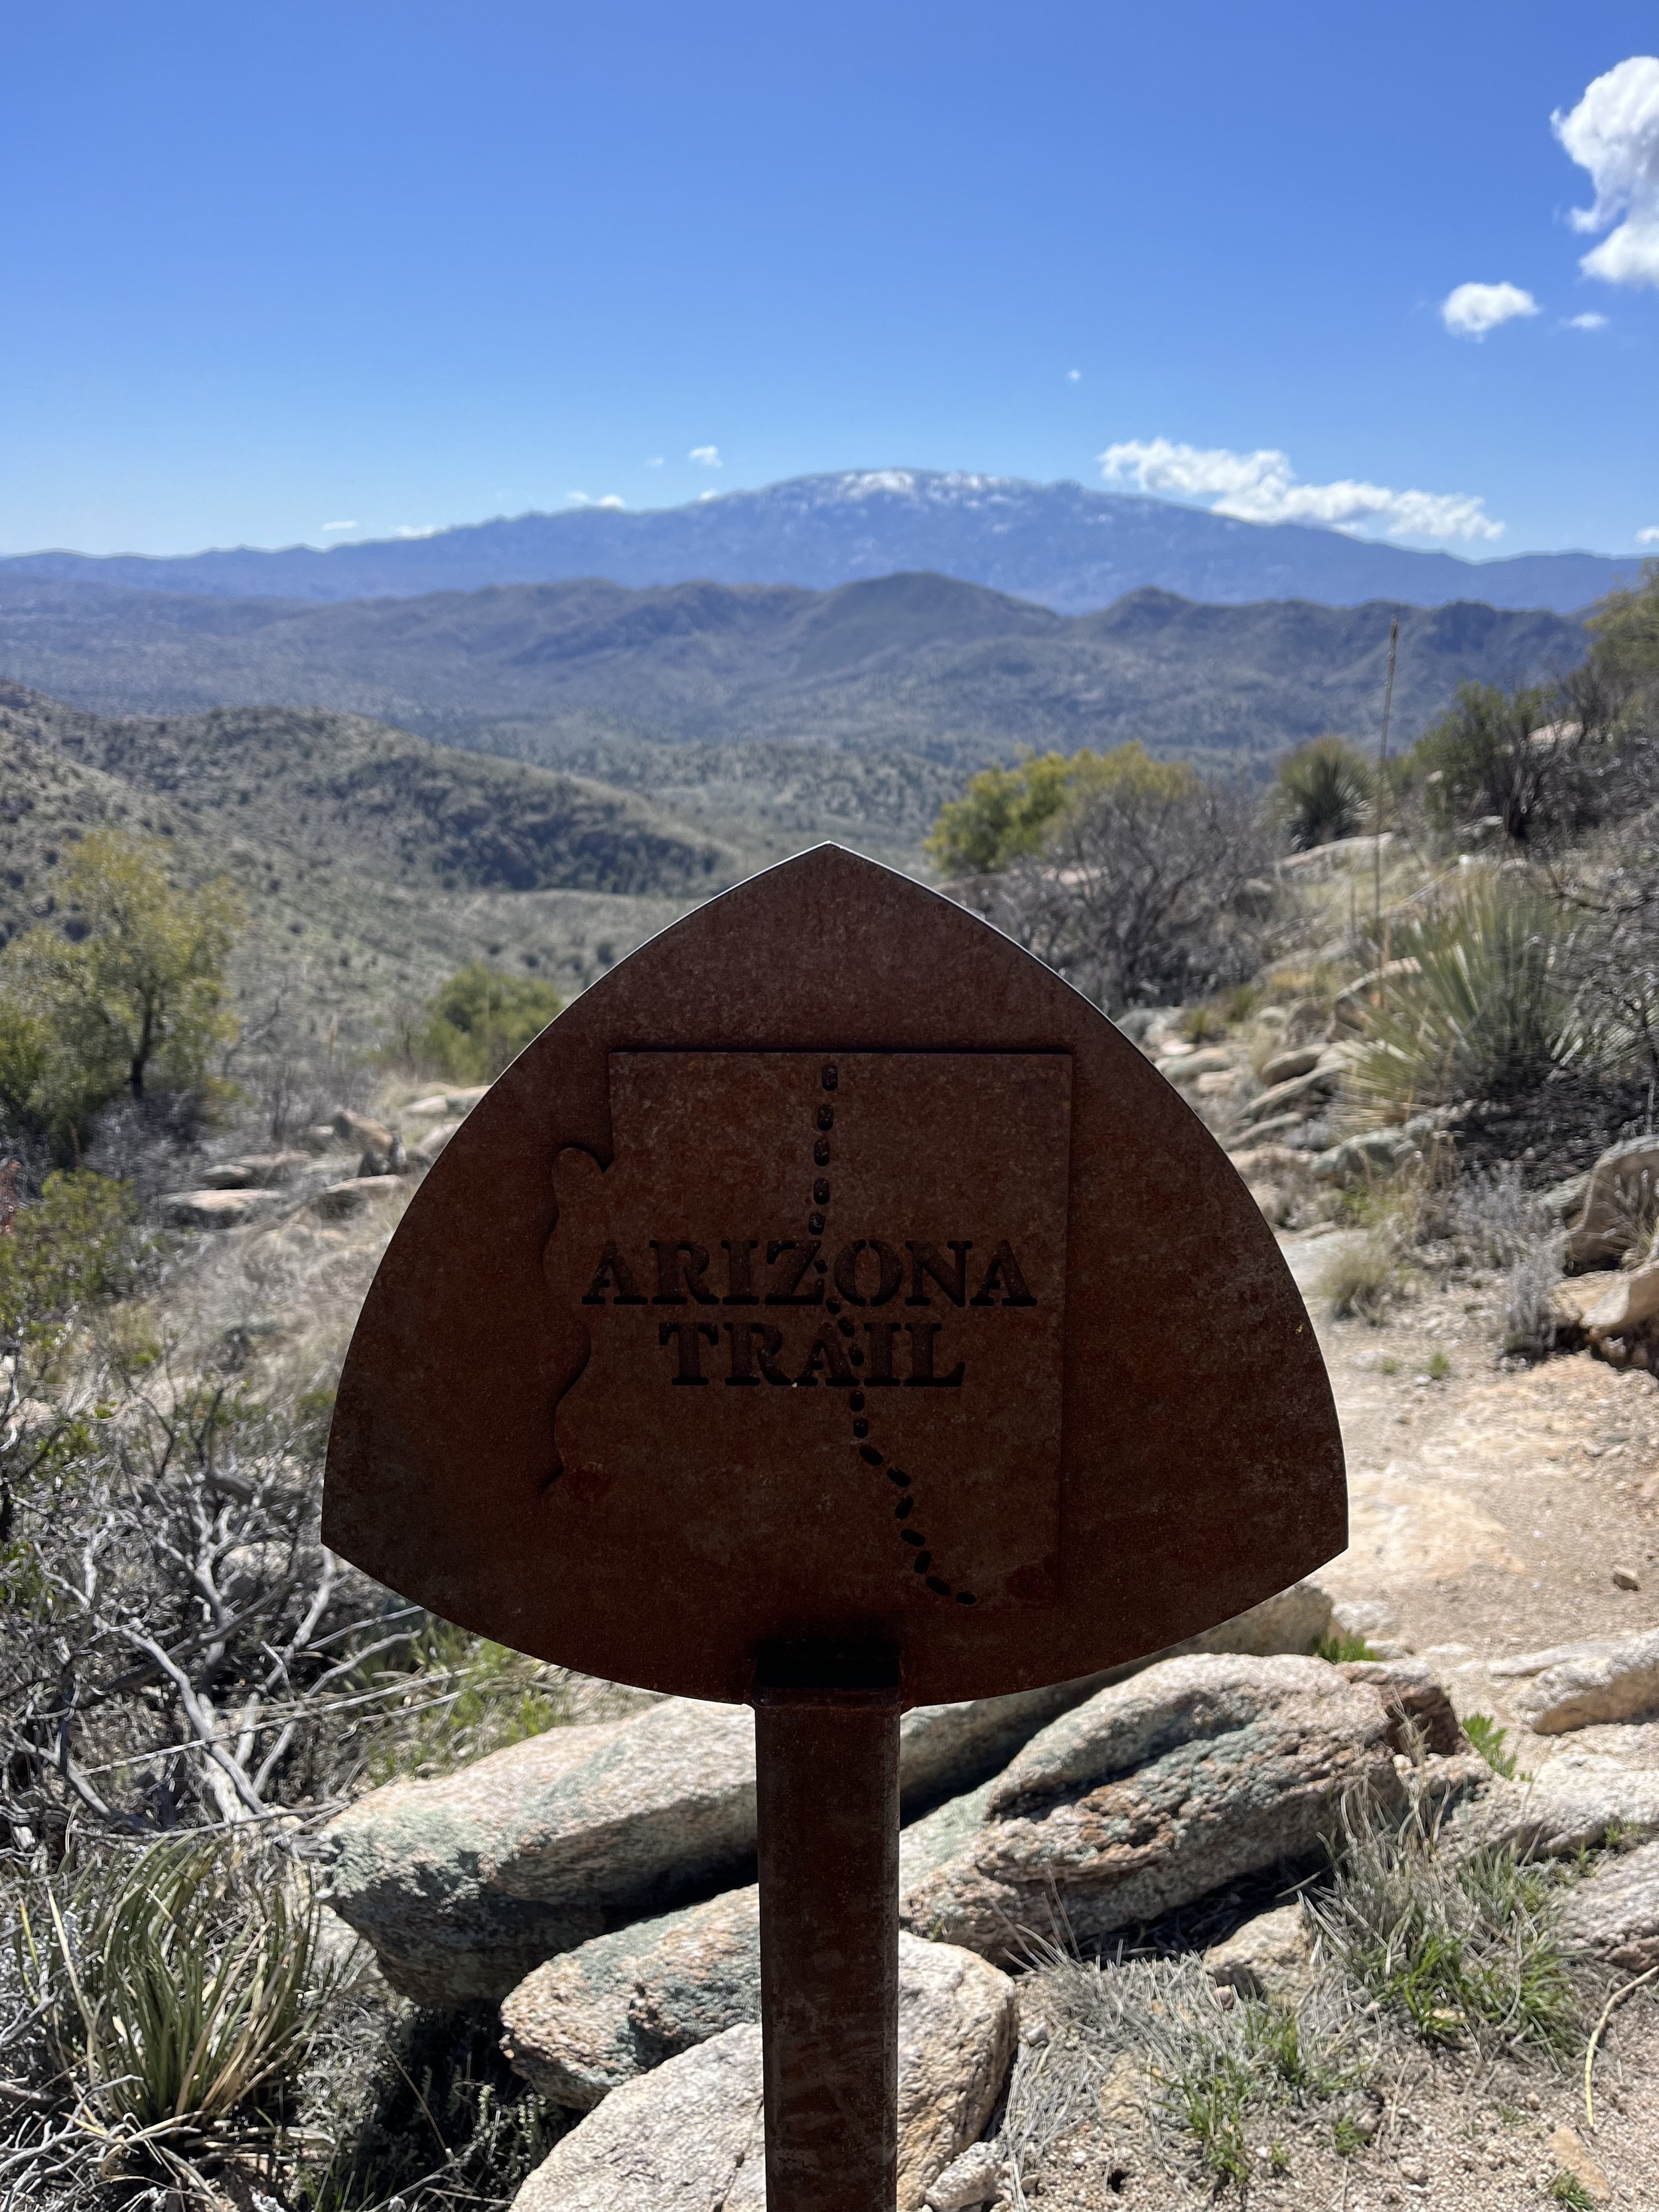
(463, 1885)
(339, 1201)
(972, 2179)
(1156, 1790)
(1361, 1159)
(1303, 1093)
(690, 2137)
(1185, 1068)
(426, 1149)
(1628, 1303)
(1285, 1066)
(215, 1209)
(584, 2023)
(1613, 1913)
(1575, 1805)
(1599, 1225)
(362, 1130)
(1574, 1686)
(958, 2021)
(258, 1171)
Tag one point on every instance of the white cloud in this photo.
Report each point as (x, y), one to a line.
(1587, 322)
(418, 530)
(1472, 310)
(583, 499)
(1262, 487)
(1074, 376)
(339, 525)
(655, 461)
(1648, 536)
(709, 456)
(1613, 133)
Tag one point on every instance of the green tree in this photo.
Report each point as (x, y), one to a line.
(74, 1244)
(1625, 629)
(1324, 792)
(133, 991)
(481, 1019)
(1488, 755)
(1009, 814)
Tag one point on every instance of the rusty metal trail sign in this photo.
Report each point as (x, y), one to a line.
(832, 1311)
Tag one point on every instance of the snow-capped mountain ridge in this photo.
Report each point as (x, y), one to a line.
(1061, 544)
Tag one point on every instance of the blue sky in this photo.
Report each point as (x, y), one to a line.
(270, 268)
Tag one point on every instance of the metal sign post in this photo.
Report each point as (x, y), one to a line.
(832, 1311)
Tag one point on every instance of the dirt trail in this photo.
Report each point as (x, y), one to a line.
(1489, 1509)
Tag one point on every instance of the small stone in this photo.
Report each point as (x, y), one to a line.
(1413, 2171)
(1268, 1956)
(1626, 1578)
(1573, 2156)
(972, 2179)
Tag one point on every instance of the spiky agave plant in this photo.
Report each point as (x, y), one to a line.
(1324, 792)
(184, 1986)
(1489, 1011)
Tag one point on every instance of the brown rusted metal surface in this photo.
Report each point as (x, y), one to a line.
(833, 1310)
(828, 1804)
(638, 1472)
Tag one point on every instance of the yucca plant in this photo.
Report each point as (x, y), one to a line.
(183, 1988)
(1489, 1011)
(1325, 790)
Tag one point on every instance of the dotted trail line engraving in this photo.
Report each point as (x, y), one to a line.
(915, 1542)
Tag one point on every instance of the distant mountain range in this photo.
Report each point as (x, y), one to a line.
(1065, 547)
(576, 673)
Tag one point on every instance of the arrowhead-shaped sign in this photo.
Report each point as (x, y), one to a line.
(832, 1274)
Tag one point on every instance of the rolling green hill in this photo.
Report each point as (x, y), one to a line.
(371, 863)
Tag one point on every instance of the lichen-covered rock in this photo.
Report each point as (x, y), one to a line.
(338, 1201)
(1157, 1790)
(463, 1885)
(583, 2023)
(688, 2136)
(972, 2179)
